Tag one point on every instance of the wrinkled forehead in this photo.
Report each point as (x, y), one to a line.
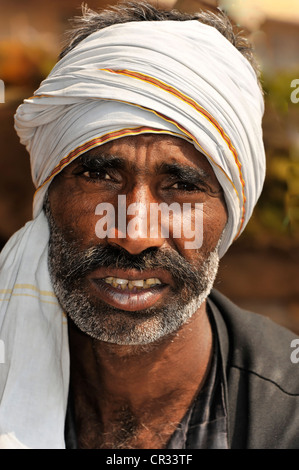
(147, 154)
(151, 148)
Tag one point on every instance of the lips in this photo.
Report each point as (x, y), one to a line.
(130, 290)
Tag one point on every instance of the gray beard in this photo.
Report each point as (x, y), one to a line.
(69, 266)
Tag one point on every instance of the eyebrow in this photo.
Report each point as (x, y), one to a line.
(187, 173)
(100, 161)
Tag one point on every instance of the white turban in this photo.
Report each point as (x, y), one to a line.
(180, 78)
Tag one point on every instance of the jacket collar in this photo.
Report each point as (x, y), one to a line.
(223, 342)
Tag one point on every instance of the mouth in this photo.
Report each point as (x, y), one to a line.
(130, 291)
(132, 285)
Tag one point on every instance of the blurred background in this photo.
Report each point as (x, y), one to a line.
(261, 270)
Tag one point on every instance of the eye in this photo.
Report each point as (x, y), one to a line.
(185, 186)
(96, 175)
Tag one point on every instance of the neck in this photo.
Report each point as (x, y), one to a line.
(159, 378)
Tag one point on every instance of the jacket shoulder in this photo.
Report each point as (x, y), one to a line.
(259, 346)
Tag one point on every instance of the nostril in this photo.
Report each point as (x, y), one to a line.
(136, 246)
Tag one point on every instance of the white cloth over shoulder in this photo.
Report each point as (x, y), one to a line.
(180, 78)
(34, 377)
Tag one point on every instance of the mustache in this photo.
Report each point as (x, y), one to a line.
(75, 264)
(82, 263)
(151, 258)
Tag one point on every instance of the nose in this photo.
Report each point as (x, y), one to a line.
(135, 231)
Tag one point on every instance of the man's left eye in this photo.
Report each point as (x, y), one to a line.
(184, 186)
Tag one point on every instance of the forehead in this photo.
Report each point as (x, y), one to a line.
(153, 149)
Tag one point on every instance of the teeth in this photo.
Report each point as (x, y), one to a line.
(137, 283)
(152, 281)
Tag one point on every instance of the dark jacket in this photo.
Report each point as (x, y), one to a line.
(261, 382)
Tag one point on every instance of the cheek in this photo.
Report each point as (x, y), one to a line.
(204, 231)
(74, 214)
(214, 222)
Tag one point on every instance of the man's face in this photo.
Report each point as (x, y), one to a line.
(134, 286)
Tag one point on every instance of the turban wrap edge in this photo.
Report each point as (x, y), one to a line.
(188, 81)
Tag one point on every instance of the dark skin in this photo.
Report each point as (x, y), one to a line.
(134, 396)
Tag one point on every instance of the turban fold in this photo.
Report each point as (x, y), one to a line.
(178, 78)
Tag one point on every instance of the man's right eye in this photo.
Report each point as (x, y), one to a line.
(96, 175)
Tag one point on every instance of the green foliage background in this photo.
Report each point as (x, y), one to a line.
(276, 216)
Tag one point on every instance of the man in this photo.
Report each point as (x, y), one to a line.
(113, 337)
